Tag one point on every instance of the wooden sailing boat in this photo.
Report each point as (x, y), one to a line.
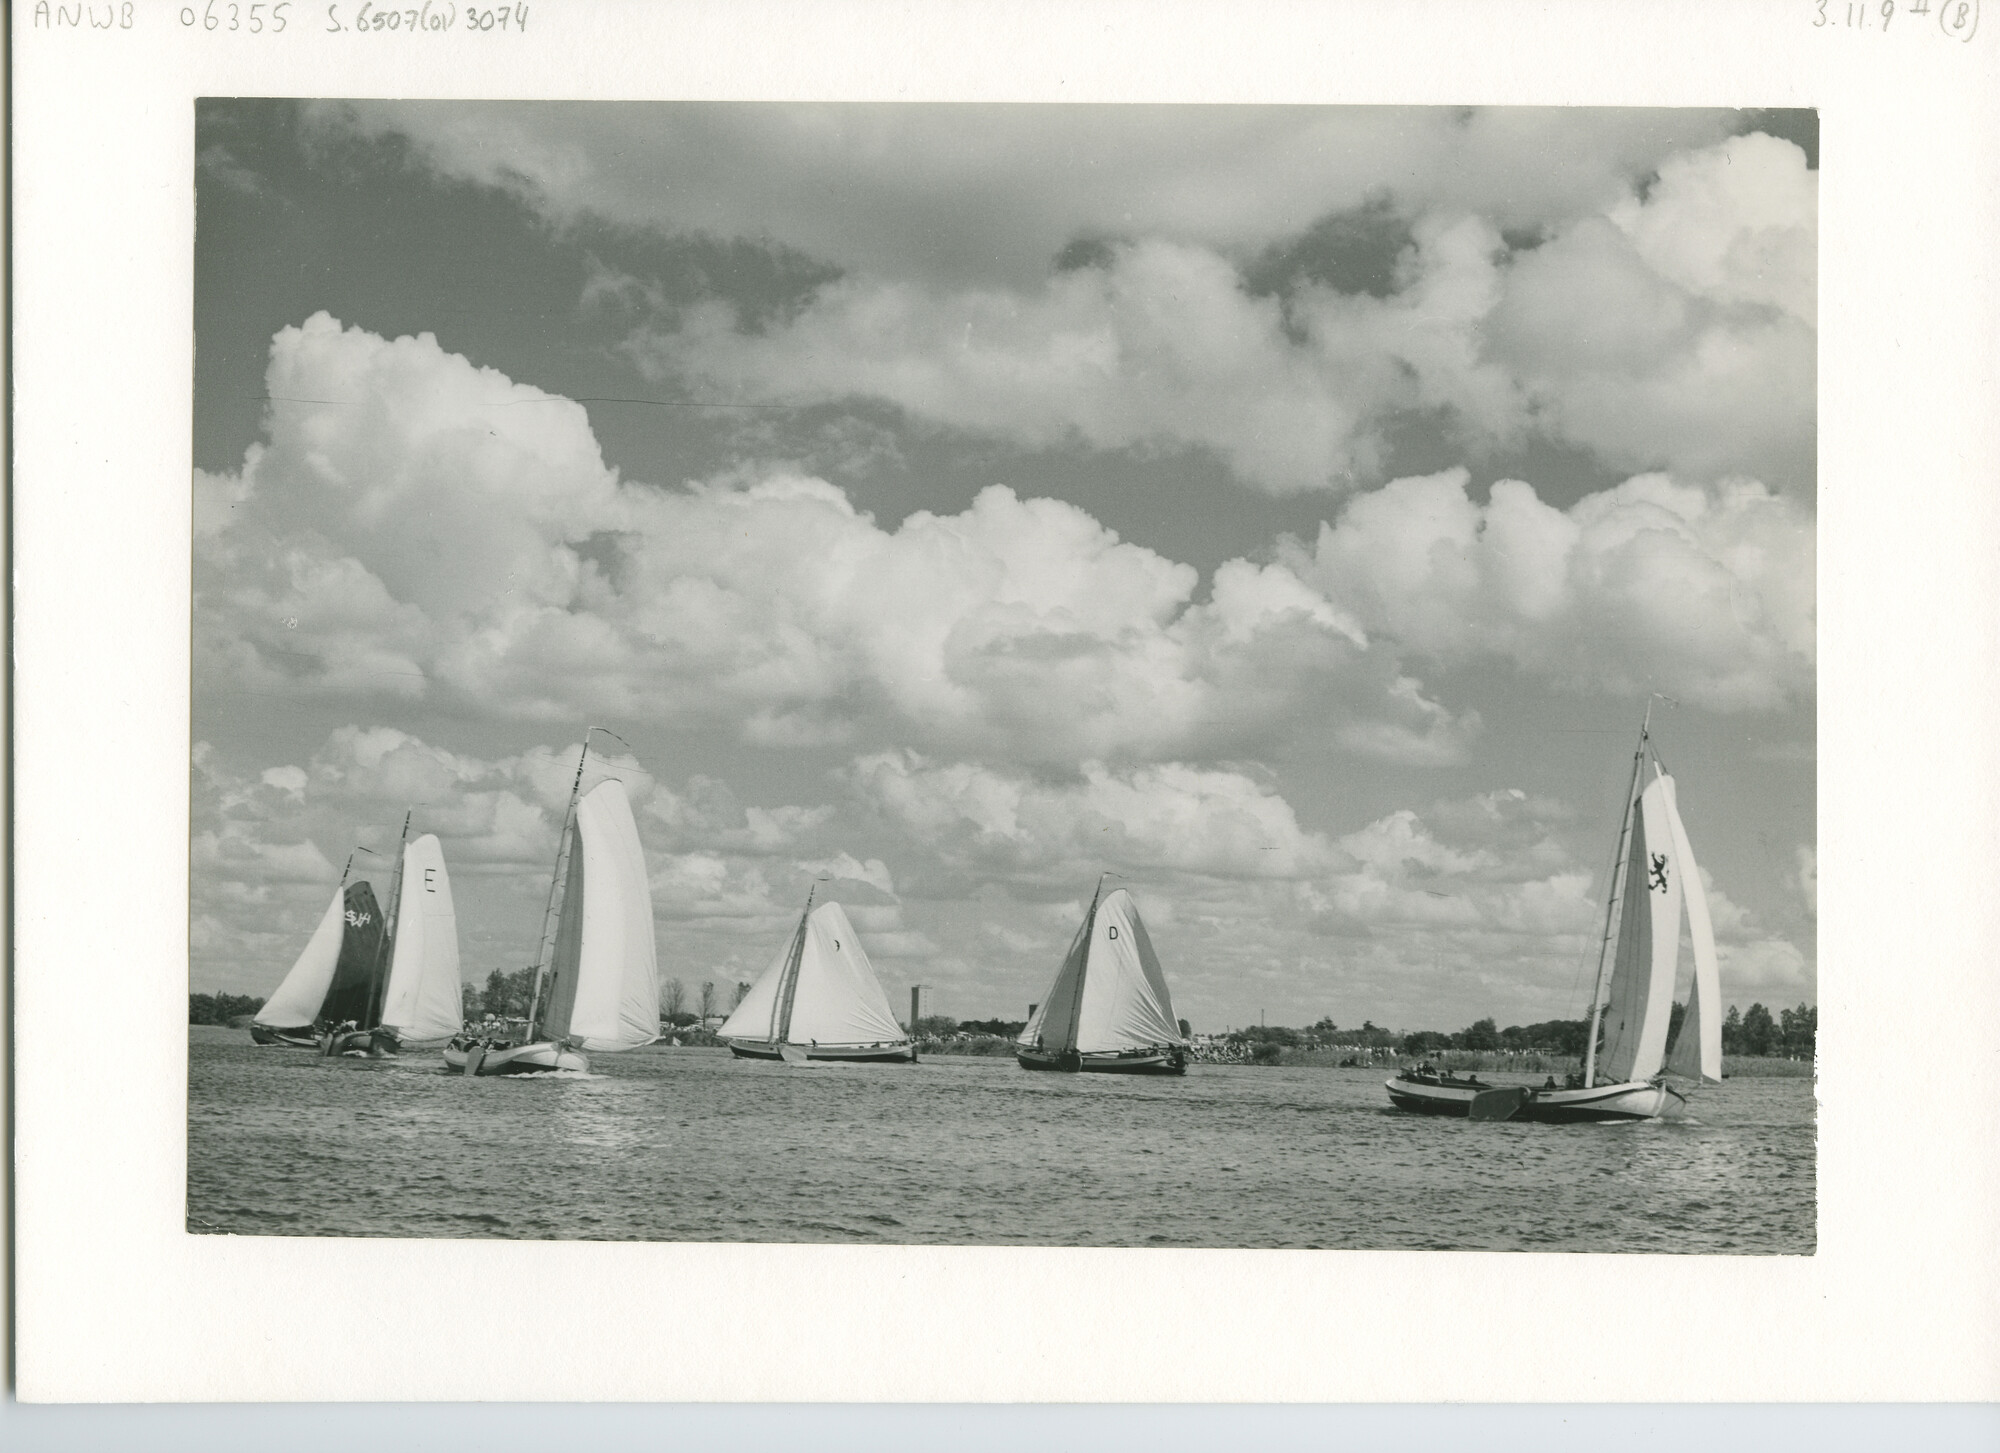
(1109, 1011)
(819, 1000)
(421, 1005)
(596, 977)
(1627, 1079)
(333, 981)
(359, 1035)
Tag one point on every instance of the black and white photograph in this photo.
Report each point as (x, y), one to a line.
(1068, 675)
(1003, 724)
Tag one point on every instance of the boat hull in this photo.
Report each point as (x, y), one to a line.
(865, 1054)
(303, 1037)
(1153, 1062)
(521, 1059)
(1633, 1100)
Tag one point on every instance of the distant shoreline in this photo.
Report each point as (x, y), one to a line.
(1734, 1066)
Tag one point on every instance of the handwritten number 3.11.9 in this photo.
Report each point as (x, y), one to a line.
(1888, 13)
(1958, 19)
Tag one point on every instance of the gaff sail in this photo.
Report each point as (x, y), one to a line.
(604, 991)
(1640, 1003)
(334, 977)
(836, 1000)
(1111, 993)
(422, 1001)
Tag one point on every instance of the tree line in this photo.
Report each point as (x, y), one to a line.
(220, 1008)
(1791, 1033)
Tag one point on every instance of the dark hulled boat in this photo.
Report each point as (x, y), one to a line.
(819, 1000)
(331, 988)
(1109, 1011)
(1654, 880)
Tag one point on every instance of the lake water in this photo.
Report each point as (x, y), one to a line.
(693, 1145)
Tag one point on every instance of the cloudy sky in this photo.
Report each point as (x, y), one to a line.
(1290, 509)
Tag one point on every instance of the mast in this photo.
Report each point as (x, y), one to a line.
(386, 952)
(788, 987)
(1083, 968)
(564, 843)
(1611, 902)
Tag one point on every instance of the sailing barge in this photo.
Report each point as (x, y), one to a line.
(819, 1000)
(332, 985)
(1628, 1079)
(1109, 1011)
(596, 977)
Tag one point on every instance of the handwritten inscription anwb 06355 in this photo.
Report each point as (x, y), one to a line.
(264, 18)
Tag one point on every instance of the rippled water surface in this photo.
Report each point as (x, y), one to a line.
(692, 1145)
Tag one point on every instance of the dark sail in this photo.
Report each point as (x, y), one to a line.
(351, 995)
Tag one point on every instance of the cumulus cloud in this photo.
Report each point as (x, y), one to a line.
(1239, 894)
(1735, 222)
(1679, 332)
(1160, 348)
(1654, 585)
(708, 811)
(1767, 969)
(974, 878)
(993, 192)
(267, 846)
(1675, 331)
(420, 528)
(1186, 819)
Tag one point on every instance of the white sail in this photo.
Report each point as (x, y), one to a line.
(1697, 1051)
(422, 999)
(1048, 1028)
(296, 1001)
(838, 1000)
(757, 1016)
(1642, 976)
(606, 994)
(1126, 1004)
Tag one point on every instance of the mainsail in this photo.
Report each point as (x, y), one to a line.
(834, 999)
(352, 994)
(333, 979)
(837, 998)
(1110, 994)
(1697, 1051)
(604, 991)
(422, 999)
(1649, 929)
